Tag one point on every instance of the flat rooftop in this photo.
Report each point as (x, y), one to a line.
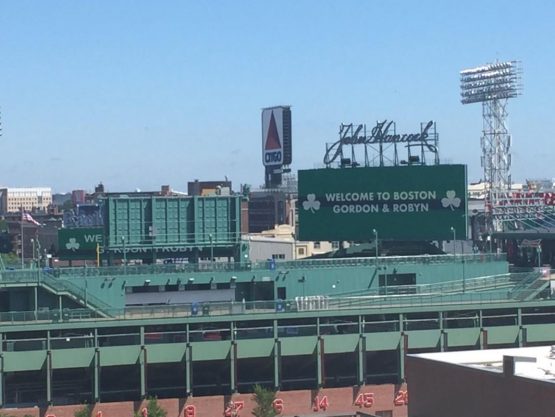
(530, 362)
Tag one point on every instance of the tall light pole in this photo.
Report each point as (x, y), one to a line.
(22, 240)
(124, 252)
(375, 241)
(490, 241)
(454, 240)
(33, 258)
(211, 251)
(493, 85)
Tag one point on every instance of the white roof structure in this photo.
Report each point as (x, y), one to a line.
(531, 362)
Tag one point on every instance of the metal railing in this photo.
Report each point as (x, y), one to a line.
(210, 332)
(368, 304)
(492, 282)
(56, 285)
(274, 265)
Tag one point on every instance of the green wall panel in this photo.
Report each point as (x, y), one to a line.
(24, 361)
(540, 333)
(342, 343)
(502, 334)
(422, 339)
(72, 358)
(303, 345)
(208, 351)
(382, 341)
(174, 352)
(462, 337)
(119, 355)
(255, 348)
(142, 223)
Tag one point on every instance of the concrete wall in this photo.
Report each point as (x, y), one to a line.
(262, 249)
(439, 389)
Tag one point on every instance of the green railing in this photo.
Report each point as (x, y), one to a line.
(369, 304)
(493, 282)
(56, 285)
(274, 265)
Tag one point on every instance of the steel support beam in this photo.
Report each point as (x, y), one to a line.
(403, 348)
(521, 329)
(320, 362)
(96, 375)
(142, 367)
(1, 379)
(233, 367)
(189, 369)
(277, 364)
(49, 377)
(361, 362)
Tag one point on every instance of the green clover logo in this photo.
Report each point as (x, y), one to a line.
(451, 201)
(72, 245)
(311, 204)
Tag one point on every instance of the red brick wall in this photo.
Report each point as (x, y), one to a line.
(301, 402)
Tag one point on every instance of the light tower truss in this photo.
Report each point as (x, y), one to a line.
(493, 85)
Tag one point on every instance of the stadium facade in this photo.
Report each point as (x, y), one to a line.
(163, 315)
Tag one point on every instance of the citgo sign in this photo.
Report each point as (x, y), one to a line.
(402, 203)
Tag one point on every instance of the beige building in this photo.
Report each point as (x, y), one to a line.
(13, 199)
(279, 243)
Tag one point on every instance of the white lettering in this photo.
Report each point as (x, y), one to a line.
(411, 208)
(355, 209)
(414, 195)
(93, 238)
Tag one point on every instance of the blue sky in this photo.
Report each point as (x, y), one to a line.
(139, 93)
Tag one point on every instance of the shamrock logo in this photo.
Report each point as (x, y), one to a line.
(72, 245)
(311, 203)
(451, 200)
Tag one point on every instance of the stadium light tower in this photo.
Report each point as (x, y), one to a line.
(493, 85)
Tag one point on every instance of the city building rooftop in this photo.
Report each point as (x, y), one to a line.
(531, 362)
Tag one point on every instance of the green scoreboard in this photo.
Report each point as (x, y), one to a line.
(397, 203)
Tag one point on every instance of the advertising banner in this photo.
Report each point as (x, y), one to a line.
(396, 203)
(272, 136)
(79, 243)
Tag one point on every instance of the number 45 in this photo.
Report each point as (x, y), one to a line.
(365, 399)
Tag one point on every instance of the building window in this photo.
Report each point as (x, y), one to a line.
(278, 256)
(335, 245)
(300, 251)
(316, 245)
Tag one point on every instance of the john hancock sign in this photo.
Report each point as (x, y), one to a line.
(382, 141)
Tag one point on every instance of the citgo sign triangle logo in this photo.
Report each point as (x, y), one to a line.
(272, 140)
(272, 149)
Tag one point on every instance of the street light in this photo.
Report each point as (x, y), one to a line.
(454, 240)
(124, 253)
(490, 241)
(33, 257)
(375, 241)
(211, 251)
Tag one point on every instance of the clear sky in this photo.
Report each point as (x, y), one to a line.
(142, 93)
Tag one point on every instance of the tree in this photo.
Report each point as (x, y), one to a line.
(264, 399)
(153, 409)
(84, 411)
